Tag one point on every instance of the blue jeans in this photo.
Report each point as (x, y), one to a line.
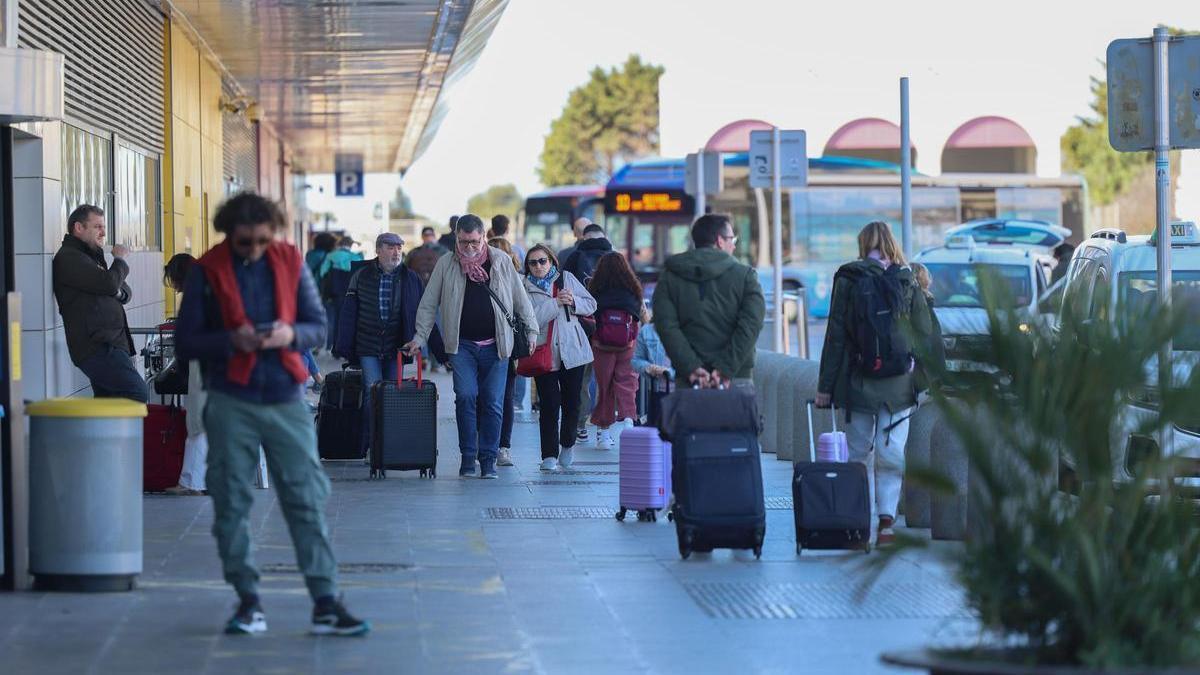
(479, 378)
(374, 369)
(112, 375)
(522, 388)
(310, 362)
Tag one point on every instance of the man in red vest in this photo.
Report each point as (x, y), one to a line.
(248, 312)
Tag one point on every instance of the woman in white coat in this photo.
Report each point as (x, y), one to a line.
(558, 299)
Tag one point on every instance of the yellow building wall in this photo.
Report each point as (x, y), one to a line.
(193, 182)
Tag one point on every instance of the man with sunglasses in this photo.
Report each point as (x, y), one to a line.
(248, 311)
(709, 308)
(475, 291)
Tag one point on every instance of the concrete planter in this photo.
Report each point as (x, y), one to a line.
(1000, 662)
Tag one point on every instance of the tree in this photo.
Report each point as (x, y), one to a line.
(608, 121)
(401, 206)
(1086, 150)
(496, 200)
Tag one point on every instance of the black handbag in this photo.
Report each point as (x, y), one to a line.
(520, 330)
(172, 380)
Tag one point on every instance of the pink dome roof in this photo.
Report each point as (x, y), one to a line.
(990, 132)
(735, 136)
(864, 133)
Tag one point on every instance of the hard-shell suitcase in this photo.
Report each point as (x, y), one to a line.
(340, 416)
(164, 434)
(645, 470)
(831, 502)
(717, 481)
(405, 412)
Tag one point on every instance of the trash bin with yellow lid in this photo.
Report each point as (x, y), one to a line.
(85, 493)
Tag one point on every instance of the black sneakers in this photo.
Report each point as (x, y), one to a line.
(248, 619)
(331, 618)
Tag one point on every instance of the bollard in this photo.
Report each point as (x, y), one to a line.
(785, 408)
(916, 454)
(767, 364)
(948, 512)
(804, 381)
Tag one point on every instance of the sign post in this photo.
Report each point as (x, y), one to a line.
(778, 159)
(905, 172)
(348, 175)
(703, 175)
(1154, 104)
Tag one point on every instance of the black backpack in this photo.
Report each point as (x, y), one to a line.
(879, 311)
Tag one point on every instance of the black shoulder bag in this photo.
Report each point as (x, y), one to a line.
(520, 342)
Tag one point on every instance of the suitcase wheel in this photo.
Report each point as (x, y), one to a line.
(670, 516)
(422, 474)
(621, 514)
(685, 544)
(758, 552)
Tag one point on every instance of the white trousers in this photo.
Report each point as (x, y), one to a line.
(195, 462)
(882, 450)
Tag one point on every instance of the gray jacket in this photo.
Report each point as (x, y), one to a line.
(448, 285)
(571, 346)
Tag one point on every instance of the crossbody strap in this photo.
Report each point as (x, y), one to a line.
(512, 323)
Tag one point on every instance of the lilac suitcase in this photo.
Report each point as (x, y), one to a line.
(645, 473)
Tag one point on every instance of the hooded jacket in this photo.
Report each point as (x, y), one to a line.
(89, 295)
(587, 254)
(838, 376)
(709, 310)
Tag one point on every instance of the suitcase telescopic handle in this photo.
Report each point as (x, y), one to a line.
(812, 443)
(400, 370)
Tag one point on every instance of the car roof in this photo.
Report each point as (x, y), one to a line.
(984, 255)
(1138, 254)
(978, 227)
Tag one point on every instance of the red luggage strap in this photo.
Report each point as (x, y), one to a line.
(420, 379)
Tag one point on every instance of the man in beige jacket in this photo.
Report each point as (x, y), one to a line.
(477, 291)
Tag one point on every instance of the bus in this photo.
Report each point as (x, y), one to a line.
(648, 215)
(548, 215)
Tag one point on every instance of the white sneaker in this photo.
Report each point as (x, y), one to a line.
(550, 464)
(505, 458)
(566, 457)
(605, 440)
(628, 423)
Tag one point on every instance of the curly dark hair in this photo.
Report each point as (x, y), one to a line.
(175, 272)
(613, 271)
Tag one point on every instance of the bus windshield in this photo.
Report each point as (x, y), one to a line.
(1139, 293)
(958, 284)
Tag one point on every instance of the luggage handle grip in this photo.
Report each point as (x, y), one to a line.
(812, 444)
(400, 370)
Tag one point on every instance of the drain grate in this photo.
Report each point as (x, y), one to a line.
(548, 512)
(570, 482)
(594, 463)
(343, 568)
(585, 472)
(727, 600)
(778, 503)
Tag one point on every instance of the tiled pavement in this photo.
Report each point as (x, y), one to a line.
(451, 590)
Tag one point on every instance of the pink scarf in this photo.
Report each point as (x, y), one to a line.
(472, 265)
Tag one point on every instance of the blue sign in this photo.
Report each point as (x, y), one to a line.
(349, 183)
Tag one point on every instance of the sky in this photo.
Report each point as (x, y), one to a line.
(799, 64)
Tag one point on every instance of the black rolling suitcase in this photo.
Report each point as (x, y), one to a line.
(340, 416)
(405, 412)
(831, 501)
(716, 473)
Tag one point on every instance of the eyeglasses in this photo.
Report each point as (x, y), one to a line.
(539, 261)
(730, 237)
(247, 242)
(470, 243)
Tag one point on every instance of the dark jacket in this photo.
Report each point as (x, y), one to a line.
(200, 332)
(583, 260)
(709, 311)
(424, 258)
(838, 376)
(371, 336)
(619, 298)
(90, 295)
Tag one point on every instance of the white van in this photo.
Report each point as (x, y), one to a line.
(1112, 272)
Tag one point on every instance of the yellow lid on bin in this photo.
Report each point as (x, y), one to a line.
(86, 407)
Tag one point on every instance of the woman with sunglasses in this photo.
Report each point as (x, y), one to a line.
(558, 300)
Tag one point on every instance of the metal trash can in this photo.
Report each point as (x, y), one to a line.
(85, 493)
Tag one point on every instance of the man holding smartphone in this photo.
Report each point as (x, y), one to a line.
(247, 313)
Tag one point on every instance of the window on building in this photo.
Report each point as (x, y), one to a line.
(137, 199)
(86, 172)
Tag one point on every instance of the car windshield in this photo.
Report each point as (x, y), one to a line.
(958, 284)
(1139, 293)
(1014, 234)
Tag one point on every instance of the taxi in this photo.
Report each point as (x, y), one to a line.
(1113, 277)
(957, 269)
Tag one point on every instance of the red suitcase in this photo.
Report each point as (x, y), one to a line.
(164, 434)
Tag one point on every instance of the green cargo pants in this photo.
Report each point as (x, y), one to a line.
(236, 429)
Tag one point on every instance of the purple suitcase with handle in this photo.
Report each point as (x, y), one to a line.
(645, 473)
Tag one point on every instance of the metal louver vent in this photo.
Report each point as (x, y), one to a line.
(240, 140)
(113, 64)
